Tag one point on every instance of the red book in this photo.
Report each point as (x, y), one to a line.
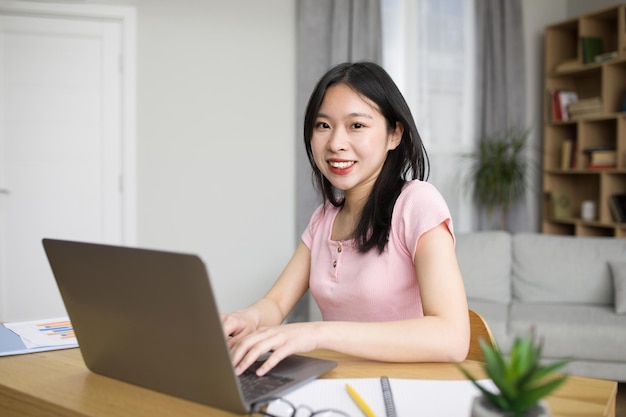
(601, 166)
(556, 106)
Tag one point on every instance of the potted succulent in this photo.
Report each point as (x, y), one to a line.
(522, 381)
(498, 171)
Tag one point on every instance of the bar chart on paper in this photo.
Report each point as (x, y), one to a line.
(58, 330)
(32, 336)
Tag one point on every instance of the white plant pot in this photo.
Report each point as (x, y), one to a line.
(481, 407)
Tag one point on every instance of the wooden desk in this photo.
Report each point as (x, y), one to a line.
(57, 384)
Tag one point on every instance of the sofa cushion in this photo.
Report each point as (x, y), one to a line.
(485, 262)
(618, 271)
(573, 331)
(564, 269)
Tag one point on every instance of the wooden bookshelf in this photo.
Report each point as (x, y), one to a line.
(569, 180)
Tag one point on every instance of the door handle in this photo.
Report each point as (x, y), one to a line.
(4, 191)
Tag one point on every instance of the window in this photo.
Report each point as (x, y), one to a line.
(428, 48)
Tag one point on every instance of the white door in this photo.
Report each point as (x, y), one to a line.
(60, 150)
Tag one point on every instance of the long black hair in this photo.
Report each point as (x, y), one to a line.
(406, 162)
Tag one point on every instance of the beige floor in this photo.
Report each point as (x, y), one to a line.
(620, 409)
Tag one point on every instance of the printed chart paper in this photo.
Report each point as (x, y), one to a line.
(45, 333)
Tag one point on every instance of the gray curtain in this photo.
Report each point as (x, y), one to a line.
(500, 84)
(329, 32)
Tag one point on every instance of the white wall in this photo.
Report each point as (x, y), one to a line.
(215, 149)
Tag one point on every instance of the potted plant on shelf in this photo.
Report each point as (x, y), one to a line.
(522, 381)
(497, 172)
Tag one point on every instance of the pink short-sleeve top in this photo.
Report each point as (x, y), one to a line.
(352, 286)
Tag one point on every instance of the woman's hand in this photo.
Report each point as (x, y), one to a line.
(237, 325)
(281, 341)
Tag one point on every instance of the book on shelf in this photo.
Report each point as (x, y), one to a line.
(601, 166)
(553, 105)
(560, 100)
(607, 56)
(567, 154)
(591, 103)
(560, 205)
(585, 107)
(602, 156)
(617, 203)
(566, 99)
(592, 47)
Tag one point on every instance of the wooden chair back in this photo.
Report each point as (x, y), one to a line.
(479, 329)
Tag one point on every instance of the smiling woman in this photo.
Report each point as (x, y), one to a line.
(378, 255)
(351, 143)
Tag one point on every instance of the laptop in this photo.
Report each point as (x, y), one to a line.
(149, 318)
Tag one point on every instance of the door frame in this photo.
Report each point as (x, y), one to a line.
(126, 16)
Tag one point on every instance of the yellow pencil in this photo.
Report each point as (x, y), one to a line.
(360, 402)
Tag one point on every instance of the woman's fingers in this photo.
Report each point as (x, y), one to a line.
(281, 341)
(249, 349)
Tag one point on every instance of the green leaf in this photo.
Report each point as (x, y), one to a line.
(521, 380)
(532, 396)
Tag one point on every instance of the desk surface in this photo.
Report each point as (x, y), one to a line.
(57, 383)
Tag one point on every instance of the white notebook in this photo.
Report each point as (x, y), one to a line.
(412, 397)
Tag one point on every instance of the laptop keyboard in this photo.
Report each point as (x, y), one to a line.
(254, 386)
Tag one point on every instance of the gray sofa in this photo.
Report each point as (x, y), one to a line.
(571, 290)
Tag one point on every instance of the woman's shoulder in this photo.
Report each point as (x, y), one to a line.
(419, 189)
(419, 208)
(420, 198)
